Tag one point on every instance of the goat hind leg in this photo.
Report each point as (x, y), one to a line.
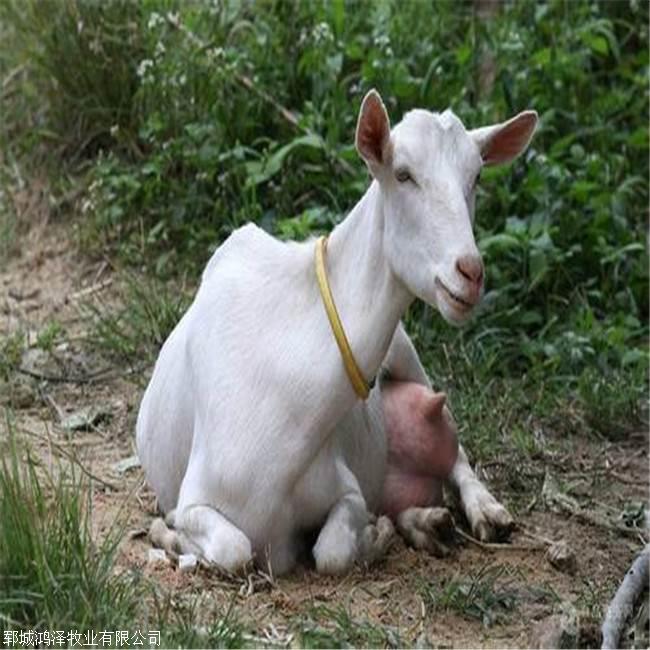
(163, 536)
(206, 533)
(337, 546)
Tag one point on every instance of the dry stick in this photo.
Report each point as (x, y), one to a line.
(244, 80)
(628, 481)
(89, 290)
(62, 379)
(499, 547)
(57, 409)
(635, 580)
(602, 522)
(531, 535)
(105, 374)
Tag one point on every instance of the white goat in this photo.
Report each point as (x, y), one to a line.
(250, 431)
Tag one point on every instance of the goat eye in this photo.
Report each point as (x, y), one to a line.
(403, 175)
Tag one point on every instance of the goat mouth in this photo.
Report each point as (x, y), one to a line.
(453, 298)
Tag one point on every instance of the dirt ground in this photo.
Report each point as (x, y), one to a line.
(492, 597)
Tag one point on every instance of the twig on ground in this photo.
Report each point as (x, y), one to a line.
(535, 536)
(92, 378)
(63, 379)
(82, 293)
(57, 409)
(602, 522)
(619, 610)
(628, 481)
(599, 471)
(559, 501)
(499, 547)
(533, 502)
(18, 296)
(102, 267)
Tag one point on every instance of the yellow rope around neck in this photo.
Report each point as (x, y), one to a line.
(356, 378)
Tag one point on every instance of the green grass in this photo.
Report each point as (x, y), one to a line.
(49, 335)
(133, 331)
(487, 595)
(53, 573)
(180, 628)
(336, 627)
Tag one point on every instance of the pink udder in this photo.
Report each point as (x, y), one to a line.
(422, 446)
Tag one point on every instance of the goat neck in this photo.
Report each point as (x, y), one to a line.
(369, 297)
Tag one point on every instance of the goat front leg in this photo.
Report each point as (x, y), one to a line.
(431, 529)
(488, 519)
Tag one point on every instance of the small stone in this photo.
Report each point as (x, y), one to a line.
(126, 464)
(562, 557)
(85, 418)
(557, 631)
(157, 556)
(187, 562)
(37, 361)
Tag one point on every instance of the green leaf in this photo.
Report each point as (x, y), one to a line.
(542, 57)
(501, 242)
(538, 267)
(261, 172)
(595, 42)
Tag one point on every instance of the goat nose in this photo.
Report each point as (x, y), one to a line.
(470, 267)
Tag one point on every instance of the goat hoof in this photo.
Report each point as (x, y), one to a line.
(377, 539)
(488, 519)
(336, 550)
(430, 529)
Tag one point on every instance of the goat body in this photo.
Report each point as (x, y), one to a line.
(249, 431)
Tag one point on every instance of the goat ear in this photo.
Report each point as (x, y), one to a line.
(503, 142)
(373, 132)
(434, 406)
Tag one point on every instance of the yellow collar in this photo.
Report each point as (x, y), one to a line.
(356, 378)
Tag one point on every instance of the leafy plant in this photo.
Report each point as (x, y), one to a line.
(48, 336)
